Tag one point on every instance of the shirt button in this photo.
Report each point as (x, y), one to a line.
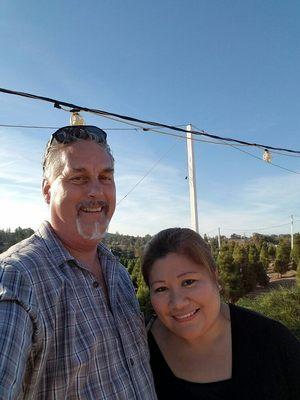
(131, 361)
(95, 284)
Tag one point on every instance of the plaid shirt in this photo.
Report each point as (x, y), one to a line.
(59, 339)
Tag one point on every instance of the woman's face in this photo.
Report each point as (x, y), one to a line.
(184, 296)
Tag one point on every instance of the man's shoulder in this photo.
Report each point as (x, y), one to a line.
(30, 247)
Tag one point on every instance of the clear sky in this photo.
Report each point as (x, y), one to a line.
(228, 67)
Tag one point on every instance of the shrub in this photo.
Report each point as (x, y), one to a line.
(281, 304)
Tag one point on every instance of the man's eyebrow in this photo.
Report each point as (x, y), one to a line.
(105, 170)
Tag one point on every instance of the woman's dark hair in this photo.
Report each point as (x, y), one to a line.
(182, 241)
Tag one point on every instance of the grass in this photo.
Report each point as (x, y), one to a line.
(281, 304)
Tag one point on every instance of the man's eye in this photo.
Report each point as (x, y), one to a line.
(78, 179)
(105, 178)
(188, 282)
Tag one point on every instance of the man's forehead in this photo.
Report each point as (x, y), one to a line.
(82, 156)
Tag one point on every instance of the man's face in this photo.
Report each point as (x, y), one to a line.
(82, 197)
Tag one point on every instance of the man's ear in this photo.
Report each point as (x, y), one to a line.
(46, 188)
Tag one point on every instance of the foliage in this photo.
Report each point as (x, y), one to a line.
(9, 238)
(282, 257)
(257, 267)
(272, 251)
(229, 275)
(264, 256)
(298, 275)
(281, 304)
(295, 253)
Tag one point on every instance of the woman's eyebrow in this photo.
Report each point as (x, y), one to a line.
(158, 281)
(187, 273)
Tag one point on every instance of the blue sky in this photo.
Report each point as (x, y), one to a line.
(228, 67)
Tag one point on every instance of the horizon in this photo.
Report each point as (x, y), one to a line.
(228, 69)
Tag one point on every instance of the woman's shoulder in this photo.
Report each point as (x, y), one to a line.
(245, 321)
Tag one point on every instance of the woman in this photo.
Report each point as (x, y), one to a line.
(201, 348)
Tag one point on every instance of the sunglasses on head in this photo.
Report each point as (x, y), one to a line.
(67, 134)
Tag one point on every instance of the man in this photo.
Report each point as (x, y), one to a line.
(70, 326)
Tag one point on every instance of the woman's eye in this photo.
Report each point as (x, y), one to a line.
(188, 282)
(160, 289)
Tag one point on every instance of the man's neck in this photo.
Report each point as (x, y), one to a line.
(87, 257)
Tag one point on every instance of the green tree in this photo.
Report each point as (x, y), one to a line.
(282, 257)
(130, 266)
(295, 253)
(256, 266)
(272, 252)
(229, 275)
(298, 275)
(143, 296)
(136, 274)
(264, 257)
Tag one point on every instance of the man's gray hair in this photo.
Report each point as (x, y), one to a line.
(52, 161)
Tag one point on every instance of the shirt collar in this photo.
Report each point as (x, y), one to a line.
(57, 249)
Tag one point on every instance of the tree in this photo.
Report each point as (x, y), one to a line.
(130, 265)
(136, 274)
(247, 271)
(295, 253)
(264, 257)
(257, 267)
(282, 257)
(229, 275)
(272, 251)
(143, 296)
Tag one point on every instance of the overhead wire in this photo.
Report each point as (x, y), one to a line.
(147, 173)
(254, 230)
(134, 121)
(57, 127)
(60, 104)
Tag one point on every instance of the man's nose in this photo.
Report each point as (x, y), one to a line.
(95, 188)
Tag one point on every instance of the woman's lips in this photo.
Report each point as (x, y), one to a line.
(186, 317)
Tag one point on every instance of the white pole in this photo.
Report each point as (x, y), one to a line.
(292, 232)
(192, 179)
(219, 237)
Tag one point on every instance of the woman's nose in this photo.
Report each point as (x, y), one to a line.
(178, 299)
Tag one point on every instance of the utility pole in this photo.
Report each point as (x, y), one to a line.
(192, 179)
(219, 238)
(292, 232)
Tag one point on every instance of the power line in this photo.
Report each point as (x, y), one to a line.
(138, 128)
(252, 229)
(60, 104)
(147, 173)
(220, 142)
(57, 127)
(255, 229)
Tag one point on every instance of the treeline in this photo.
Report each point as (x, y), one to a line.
(243, 263)
(9, 238)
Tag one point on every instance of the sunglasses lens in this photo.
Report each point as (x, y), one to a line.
(68, 133)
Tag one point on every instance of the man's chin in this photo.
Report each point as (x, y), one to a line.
(93, 232)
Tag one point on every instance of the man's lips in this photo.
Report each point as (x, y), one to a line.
(93, 207)
(186, 317)
(91, 210)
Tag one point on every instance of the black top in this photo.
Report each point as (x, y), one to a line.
(265, 364)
